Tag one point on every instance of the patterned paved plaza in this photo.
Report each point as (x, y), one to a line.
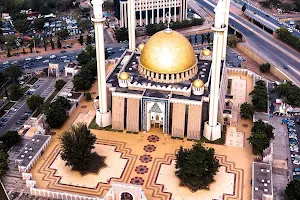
(145, 159)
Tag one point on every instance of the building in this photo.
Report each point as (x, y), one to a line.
(151, 11)
(262, 184)
(164, 83)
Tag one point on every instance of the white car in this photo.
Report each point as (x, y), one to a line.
(5, 63)
(63, 57)
(27, 59)
(45, 61)
(14, 62)
(39, 57)
(13, 109)
(296, 162)
(109, 49)
(52, 56)
(67, 61)
(296, 173)
(290, 30)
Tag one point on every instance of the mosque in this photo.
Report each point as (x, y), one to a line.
(164, 83)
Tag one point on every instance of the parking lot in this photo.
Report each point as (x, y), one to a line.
(294, 138)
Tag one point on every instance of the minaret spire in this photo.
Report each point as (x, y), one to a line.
(226, 20)
(212, 129)
(103, 116)
(131, 24)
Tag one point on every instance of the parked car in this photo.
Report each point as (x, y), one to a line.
(285, 67)
(296, 162)
(63, 57)
(46, 61)
(13, 109)
(297, 120)
(39, 57)
(3, 119)
(28, 59)
(20, 122)
(52, 56)
(290, 30)
(5, 63)
(293, 155)
(63, 51)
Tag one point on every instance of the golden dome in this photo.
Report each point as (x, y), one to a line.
(168, 52)
(124, 76)
(141, 46)
(198, 83)
(206, 52)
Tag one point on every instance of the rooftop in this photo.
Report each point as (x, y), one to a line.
(32, 148)
(262, 185)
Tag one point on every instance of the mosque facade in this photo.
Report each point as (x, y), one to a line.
(165, 84)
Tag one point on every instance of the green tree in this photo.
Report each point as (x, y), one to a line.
(13, 72)
(244, 7)
(80, 40)
(289, 93)
(202, 38)
(21, 25)
(84, 24)
(196, 167)
(3, 162)
(86, 55)
(77, 144)
(264, 127)
(8, 53)
(287, 7)
(56, 112)
(34, 102)
(59, 43)
(59, 84)
(15, 92)
(88, 39)
(260, 96)
(292, 190)
(265, 67)
(44, 10)
(52, 44)
(121, 34)
(287, 37)
(259, 142)
(247, 111)
(45, 44)
(88, 96)
(39, 23)
(9, 139)
(232, 40)
(63, 33)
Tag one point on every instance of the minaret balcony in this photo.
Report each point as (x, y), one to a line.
(220, 29)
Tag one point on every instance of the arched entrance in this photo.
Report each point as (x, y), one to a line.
(156, 115)
(126, 196)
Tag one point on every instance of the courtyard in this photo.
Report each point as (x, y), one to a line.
(146, 159)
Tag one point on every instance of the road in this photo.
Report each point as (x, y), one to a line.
(24, 108)
(264, 43)
(275, 21)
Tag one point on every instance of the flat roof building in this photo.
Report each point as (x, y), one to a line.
(262, 184)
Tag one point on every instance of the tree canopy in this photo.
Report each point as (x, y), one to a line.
(21, 25)
(9, 139)
(13, 72)
(56, 113)
(260, 96)
(15, 92)
(3, 162)
(292, 190)
(261, 134)
(34, 102)
(121, 34)
(59, 84)
(287, 37)
(247, 111)
(77, 144)
(265, 67)
(196, 167)
(289, 93)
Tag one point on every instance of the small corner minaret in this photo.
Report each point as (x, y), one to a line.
(131, 24)
(212, 129)
(226, 23)
(103, 115)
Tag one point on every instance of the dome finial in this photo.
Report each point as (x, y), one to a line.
(168, 29)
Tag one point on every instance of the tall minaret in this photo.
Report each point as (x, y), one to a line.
(226, 21)
(212, 129)
(131, 24)
(103, 115)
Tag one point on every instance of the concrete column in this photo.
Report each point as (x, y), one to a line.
(131, 24)
(226, 20)
(126, 20)
(141, 23)
(103, 116)
(121, 16)
(152, 20)
(146, 12)
(212, 129)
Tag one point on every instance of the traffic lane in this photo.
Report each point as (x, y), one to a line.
(24, 108)
(252, 31)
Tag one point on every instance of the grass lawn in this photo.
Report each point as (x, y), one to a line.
(93, 125)
(24, 89)
(218, 141)
(8, 106)
(32, 81)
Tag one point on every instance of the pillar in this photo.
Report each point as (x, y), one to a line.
(226, 20)
(131, 24)
(212, 129)
(103, 116)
